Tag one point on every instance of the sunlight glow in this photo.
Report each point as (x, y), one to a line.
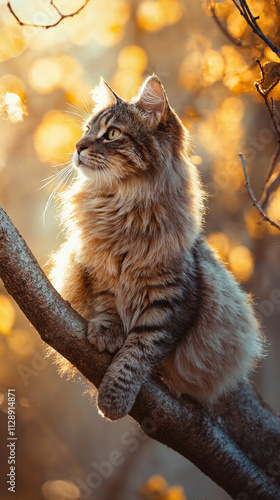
(133, 58)
(254, 226)
(11, 107)
(212, 66)
(21, 342)
(153, 15)
(273, 212)
(221, 243)
(12, 42)
(7, 315)
(241, 262)
(12, 83)
(49, 73)
(56, 134)
(60, 489)
(45, 74)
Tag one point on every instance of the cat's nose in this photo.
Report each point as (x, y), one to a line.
(80, 146)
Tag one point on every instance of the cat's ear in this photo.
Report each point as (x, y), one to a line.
(152, 100)
(103, 96)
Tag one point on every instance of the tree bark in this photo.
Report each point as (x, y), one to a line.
(237, 458)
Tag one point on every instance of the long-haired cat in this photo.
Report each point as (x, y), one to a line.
(136, 264)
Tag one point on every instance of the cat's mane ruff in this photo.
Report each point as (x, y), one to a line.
(166, 204)
(168, 207)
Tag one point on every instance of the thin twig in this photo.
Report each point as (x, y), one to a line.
(56, 8)
(268, 190)
(251, 20)
(233, 39)
(263, 87)
(47, 26)
(272, 164)
(252, 196)
(237, 6)
(264, 94)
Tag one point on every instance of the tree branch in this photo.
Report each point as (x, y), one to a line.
(251, 20)
(182, 424)
(252, 196)
(243, 410)
(269, 188)
(47, 26)
(264, 93)
(270, 77)
(271, 167)
(233, 39)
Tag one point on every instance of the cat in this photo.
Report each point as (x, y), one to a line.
(135, 262)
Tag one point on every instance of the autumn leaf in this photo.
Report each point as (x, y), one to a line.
(270, 77)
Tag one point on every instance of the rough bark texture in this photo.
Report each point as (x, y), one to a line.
(236, 443)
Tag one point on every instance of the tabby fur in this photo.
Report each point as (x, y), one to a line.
(136, 264)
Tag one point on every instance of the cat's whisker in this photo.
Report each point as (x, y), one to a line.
(78, 122)
(73, 105)
(56, 190)
(64, 163)
(52, 178)
(69, 153)
(79, 111)
(62, 178)
(59, 176)
(87, 106)
(81, 118)
(56, 175)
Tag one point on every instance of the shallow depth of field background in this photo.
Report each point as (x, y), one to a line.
(62, 440)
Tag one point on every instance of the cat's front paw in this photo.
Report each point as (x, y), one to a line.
(114, 403)
(105, 334)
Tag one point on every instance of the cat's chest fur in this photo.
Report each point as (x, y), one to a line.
(124, 249)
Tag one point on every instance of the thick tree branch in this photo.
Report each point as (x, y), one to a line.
(244, 414)
(47, 26)
(184, 425)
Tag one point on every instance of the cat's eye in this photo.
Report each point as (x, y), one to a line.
(112, 133)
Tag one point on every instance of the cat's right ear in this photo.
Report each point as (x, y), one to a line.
(103, 96)
(152, 100)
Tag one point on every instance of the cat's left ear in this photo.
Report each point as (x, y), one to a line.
(152, 100)
(103, 96)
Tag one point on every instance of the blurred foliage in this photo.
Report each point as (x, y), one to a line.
(156, 488)
(7, 315)
(45, 80)
(11, 107)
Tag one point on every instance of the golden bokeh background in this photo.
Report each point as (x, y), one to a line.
(45, 82)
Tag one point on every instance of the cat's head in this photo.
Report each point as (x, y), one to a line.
(125, 141)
